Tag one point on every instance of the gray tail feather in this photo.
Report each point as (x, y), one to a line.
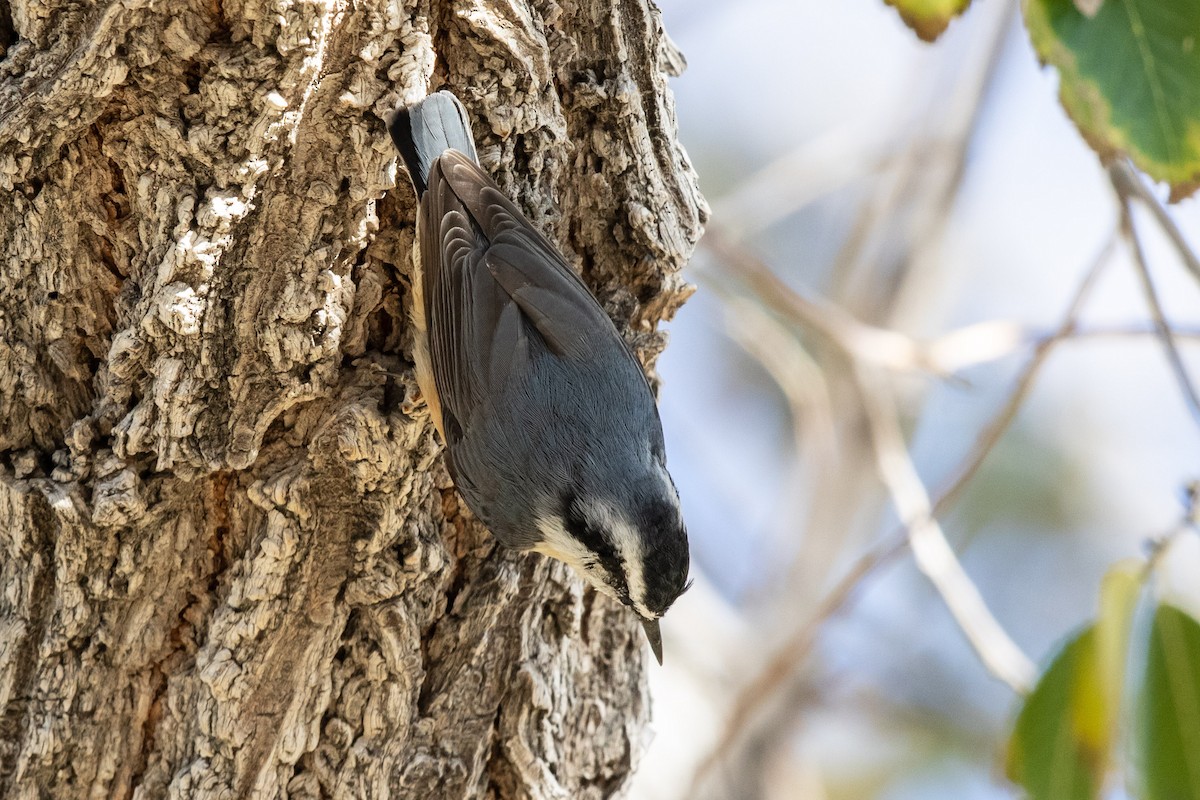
(425, 130)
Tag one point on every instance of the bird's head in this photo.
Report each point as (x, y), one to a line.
(634, 550)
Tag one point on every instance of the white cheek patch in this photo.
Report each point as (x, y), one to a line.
(558, 544)
(628, 543)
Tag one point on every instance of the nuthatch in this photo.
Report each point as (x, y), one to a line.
(551, 431)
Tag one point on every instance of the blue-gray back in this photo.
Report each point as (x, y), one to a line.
(538, 391)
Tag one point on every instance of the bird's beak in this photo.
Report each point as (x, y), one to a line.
(654, 636)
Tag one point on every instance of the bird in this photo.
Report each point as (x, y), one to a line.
(552, 434)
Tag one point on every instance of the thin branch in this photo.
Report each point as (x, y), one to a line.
(943, 355)
(924, 187)
(1130, 330)
(816, 168)
(782, 665)
(1128, 185)
(798, 376)
(978, 344)
(1000, 423)
(784, 662)
(856, 339)
(931, 550)
(1165, 333)
(1189, 522)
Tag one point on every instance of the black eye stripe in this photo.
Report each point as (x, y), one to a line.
(594, 540)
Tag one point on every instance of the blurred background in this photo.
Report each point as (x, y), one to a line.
(916, 219)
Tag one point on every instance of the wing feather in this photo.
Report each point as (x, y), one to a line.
(491, 278)
(531, 270)
(570, 328)
(476, 333)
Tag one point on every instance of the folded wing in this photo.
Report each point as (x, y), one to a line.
(491, 280)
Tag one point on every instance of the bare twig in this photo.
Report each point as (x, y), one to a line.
(942, 355)
(856, 339)
(996, 428)
(1189, 522)
(812, 170)
(1128, 185)
(792, 369)
(781, 354)
(1166, 333)
(869, 278)
(989, 341)
(784, 662)
(932, 552)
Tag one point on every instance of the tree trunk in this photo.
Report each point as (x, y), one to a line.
(233, 563)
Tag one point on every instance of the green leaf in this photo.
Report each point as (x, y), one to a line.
(1168, 731)
(1130, 79)
(1065, 734)
(1059, 746)
(928, 18)
(1119, 593)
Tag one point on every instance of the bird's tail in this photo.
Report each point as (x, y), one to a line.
(428, 128)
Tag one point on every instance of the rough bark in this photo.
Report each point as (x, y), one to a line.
(233, 564)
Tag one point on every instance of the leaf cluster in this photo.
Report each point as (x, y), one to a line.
(1129, 74)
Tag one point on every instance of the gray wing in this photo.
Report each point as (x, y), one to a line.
(489, 276)
(529, 268)
(475, 330)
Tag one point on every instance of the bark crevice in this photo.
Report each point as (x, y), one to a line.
(231, 561)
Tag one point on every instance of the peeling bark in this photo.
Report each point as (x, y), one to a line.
(233, 564)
